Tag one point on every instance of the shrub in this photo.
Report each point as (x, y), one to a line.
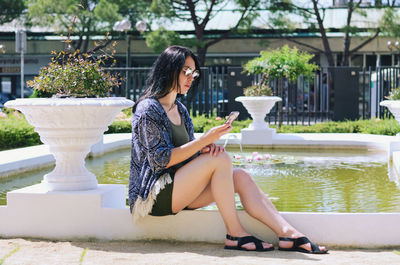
(119, 127)
(16, 132)
(282, 63)
(257, 90)
(74, 75)
(394, 94)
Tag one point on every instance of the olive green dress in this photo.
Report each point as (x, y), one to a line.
(163, 204)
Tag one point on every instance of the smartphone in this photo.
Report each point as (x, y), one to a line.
(232, 116)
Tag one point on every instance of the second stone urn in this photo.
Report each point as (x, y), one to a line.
(258, 131)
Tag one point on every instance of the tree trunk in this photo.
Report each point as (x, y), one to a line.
(347, 40)
(324, 38)
(201, 54)
(86, 43)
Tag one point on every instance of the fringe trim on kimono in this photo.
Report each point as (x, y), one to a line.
(141, 208)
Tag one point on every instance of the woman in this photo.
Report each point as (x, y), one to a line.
(172, 171)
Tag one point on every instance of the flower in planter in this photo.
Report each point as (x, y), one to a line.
(257, 90)
(74, 75)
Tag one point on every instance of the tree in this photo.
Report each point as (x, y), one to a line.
(199, 13)
(390, 22)
(314, 15)
(81, 18)
(284, 63)
(10, 9)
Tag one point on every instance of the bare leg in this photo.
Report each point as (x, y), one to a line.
(260, 207)
(209, 177)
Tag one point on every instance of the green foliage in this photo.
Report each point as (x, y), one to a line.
(107, 11)
(202, 123)
(10, 9)
(162, 8)
(92, 16)
(282, 63)
(390, 22)
(372, 126)
(394, 94)
(257, 90)
(119, 127)
(161, 38)
(40, 94)
(74, 75)
(199, 13)
(16, 132)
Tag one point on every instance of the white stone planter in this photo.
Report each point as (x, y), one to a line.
(393, 106)
(258, 107)
(70, 126)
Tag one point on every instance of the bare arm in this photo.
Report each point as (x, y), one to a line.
(185, 151)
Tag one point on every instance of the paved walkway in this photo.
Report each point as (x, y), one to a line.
(32, 252)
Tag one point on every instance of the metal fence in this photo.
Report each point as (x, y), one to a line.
(334, 93)
(384, 79)
(208, 98)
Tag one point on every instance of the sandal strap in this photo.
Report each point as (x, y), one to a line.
(229, 237)
(246, 239)
(300, 241)
(296, 241)
(250, 239)
(314, 247)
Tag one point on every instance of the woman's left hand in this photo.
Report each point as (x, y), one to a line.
(213, 149)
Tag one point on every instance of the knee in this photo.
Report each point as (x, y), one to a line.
(221, 160)
(224, 159)
(242, 179)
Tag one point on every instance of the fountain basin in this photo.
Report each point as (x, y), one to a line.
(95, 217)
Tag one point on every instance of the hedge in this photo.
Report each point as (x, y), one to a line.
(15, 131)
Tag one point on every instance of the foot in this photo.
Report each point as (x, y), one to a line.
(289, 244)
(249, 246)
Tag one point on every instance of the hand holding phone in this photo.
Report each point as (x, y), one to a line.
(232, 116)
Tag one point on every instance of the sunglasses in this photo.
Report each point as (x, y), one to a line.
(189, 71)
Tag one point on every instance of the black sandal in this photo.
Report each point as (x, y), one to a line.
(297, 242)
(244, 240)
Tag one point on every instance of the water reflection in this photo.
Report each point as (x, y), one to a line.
(322, 181)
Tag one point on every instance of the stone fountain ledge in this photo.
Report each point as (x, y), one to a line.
(101, 213)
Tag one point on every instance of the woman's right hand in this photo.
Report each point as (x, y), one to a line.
(215, 133)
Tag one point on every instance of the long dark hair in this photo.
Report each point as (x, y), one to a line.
(165, 72)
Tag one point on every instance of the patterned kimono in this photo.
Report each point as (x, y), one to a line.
(151, 152)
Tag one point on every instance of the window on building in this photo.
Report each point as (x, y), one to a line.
(357, 60)
(371, 61)
(5, 85)
(338, 59)
(396, 59)
(386, 60)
